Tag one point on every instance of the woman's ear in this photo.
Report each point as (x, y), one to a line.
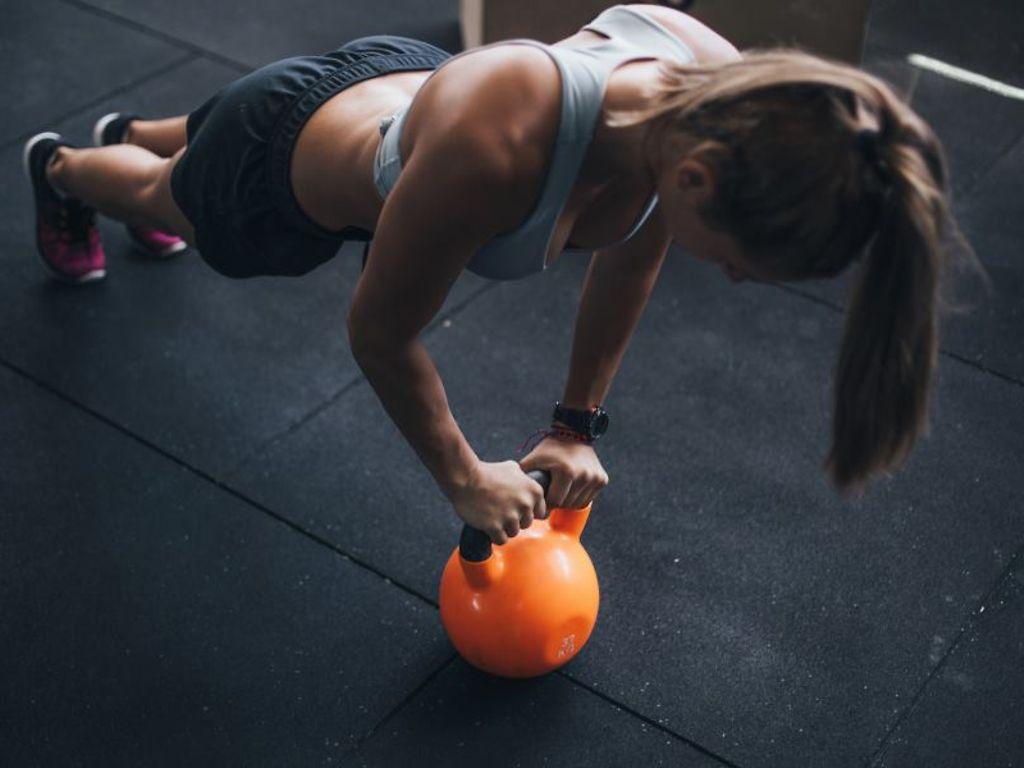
(695, 181)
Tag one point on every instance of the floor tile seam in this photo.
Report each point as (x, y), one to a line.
(159, 35)
(405, 701)
(203, 475)
(232, 474)
(967, 194)
(210, 478)
(983, 368)
(888, 55)
(650, 721)
(106, 96)
(881, 53)
(1008, 378)
(334, 397)
(414, 693)
(968, 625)
(213, 480)
(334, 548)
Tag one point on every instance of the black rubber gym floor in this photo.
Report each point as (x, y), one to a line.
(215, 548)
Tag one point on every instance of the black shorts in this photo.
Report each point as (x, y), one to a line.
(233, 181)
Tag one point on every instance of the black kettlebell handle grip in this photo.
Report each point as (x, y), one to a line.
(474, 544)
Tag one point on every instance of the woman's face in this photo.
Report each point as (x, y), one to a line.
(682, 191)
(712, 245)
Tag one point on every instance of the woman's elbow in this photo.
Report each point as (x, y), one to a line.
(360, 338)
(369, 341)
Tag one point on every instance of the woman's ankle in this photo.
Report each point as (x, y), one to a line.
(129, 135)
(55, 168)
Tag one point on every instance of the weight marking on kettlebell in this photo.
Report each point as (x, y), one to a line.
(568, 646)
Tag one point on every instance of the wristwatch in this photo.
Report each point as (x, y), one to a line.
(590, 424)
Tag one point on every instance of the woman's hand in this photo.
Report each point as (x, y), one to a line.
(577, 476)
(499, 500)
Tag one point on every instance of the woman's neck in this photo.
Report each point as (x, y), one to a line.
(624, 154)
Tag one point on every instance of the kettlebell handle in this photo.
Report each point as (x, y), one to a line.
(474, 544)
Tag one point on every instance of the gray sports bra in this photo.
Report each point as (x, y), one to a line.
(631, 35)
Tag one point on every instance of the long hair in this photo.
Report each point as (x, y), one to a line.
(819, 165)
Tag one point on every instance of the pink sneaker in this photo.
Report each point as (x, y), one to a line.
(112, 129)
(67, 238)
(156, 243)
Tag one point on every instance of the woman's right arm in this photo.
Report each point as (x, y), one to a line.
(455, 193)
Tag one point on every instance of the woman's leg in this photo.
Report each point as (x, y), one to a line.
(124, 182)
(161, 137)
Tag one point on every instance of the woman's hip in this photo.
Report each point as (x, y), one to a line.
(236, 168)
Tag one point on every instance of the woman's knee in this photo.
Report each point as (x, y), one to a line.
(160, 199)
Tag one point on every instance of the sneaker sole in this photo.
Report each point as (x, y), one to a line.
(29, 145)
(164, 253)
(101, 125)
(173, 250)
(88, 277)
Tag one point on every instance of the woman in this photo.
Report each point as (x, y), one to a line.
(643, 127)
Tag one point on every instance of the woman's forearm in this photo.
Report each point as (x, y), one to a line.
(408, 385)
(613, 300)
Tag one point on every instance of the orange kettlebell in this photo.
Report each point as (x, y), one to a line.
(528, 606)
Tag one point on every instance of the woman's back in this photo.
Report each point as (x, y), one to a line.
(333, 170)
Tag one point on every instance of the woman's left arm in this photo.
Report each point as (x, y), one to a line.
(617, 286)
(618, 283)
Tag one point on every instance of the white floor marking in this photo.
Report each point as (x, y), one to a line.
(966, 76)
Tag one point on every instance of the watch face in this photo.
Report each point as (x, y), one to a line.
(600, 425)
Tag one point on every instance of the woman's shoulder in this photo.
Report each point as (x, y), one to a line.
(477, 136)
(504, 99)
(707, 45)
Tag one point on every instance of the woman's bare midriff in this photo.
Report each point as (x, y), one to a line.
(332, 164)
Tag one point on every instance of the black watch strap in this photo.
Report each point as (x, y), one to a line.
(589, 424)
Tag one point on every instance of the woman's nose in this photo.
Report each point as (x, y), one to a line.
(735, 274)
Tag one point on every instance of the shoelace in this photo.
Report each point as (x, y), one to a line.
(75, 220)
